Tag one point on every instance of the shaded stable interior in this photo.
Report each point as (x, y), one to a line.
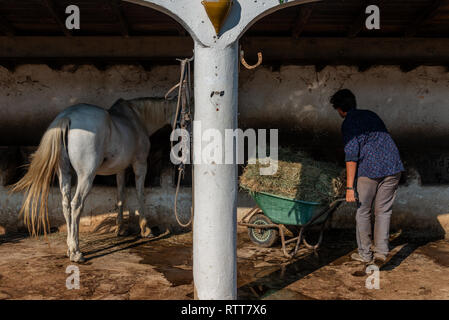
(412, 33)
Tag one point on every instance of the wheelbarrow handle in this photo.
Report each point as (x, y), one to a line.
(337, 201)
(343, 200)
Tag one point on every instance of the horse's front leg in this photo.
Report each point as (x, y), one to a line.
(82, 190)
(140, 171)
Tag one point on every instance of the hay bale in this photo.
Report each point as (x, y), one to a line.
(299, 177)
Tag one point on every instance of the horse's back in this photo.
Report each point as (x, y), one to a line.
(86, 117)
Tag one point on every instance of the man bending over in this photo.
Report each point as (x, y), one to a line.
(373, 167)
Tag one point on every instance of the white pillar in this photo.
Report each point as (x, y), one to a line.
(215, 198)
(216, 69)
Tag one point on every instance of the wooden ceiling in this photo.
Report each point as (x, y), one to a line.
(413, 32)
(328, 18)
(340, 18)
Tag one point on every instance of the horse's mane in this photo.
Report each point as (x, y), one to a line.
(149, 110)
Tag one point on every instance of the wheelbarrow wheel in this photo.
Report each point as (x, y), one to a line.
(262, 237)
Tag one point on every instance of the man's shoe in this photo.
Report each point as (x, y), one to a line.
(379, 259)
(357, 257)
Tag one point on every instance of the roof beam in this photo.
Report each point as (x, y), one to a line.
(276, 50)
(302, 19)
(47, 48)
(359, 22)
(349, 51)
(6, 28)
(428, 14)
(116, 6)
(54, 13)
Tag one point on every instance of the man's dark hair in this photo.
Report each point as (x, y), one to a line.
(344, 99)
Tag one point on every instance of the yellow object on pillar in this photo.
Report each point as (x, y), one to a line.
(218, 11)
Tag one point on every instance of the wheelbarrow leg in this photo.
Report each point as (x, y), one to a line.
(284, 249)
(298, 242)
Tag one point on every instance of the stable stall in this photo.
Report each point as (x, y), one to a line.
(140, 39)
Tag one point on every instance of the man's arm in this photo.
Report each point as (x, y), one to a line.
(352, 150)
(351, 168)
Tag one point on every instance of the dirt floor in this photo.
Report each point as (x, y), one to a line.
(161, 268)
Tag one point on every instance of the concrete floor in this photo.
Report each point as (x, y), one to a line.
(161, 268)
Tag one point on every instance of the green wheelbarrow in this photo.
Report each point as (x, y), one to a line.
(267, 221)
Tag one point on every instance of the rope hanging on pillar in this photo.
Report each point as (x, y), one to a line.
(183, 120)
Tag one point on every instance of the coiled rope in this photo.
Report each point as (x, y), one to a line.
(183, 119)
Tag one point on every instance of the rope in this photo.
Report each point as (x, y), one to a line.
(183, 111)
(184, 225)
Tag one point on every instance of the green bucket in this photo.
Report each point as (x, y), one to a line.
(282, 210)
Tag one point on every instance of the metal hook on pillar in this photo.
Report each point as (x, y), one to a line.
(247, 66)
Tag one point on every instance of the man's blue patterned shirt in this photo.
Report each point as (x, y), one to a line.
(368, 143)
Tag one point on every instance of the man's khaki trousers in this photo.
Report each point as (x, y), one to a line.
(377, 194)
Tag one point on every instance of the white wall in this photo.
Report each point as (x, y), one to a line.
(413, 105)
(33, 95)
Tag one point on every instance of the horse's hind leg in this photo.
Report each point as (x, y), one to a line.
(140, 171)
(82, 190)
(121, 231)
(65, 183)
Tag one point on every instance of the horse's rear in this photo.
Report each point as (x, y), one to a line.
(92, 141)
(87, 137)
(75, 139)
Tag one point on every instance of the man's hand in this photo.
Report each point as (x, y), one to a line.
(350, 196)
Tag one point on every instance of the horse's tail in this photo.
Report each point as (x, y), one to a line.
(36, 183)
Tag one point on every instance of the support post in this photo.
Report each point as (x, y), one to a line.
(215, 223)
(215, 198)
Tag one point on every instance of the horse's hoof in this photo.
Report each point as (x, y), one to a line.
(122, 232)
(77, 257)
(147, 234)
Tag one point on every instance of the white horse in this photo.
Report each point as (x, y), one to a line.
(92, 141)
